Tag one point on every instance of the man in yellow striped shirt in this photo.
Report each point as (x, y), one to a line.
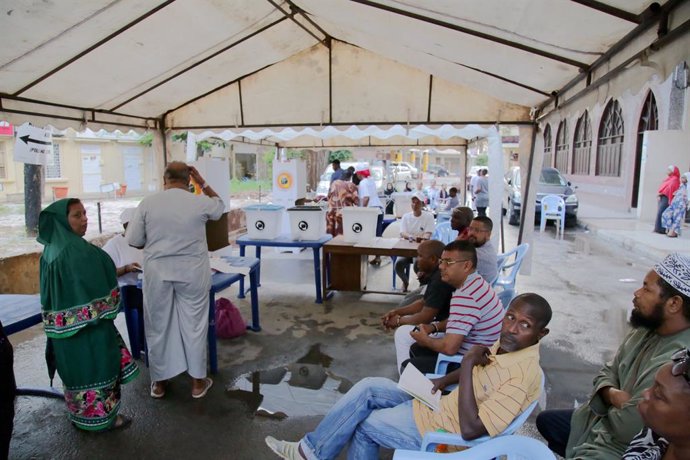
(497, 383)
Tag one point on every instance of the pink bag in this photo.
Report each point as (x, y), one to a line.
(229, 322)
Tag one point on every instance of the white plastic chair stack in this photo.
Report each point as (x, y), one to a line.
(553, 208)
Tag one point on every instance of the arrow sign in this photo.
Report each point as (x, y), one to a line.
(33, 145)
(28, 139)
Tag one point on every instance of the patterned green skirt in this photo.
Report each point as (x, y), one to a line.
(92, 364)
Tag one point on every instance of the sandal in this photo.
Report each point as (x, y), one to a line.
(209, 384)
(159, 394)
(123, 420)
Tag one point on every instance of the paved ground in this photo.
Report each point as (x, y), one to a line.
(589, 285)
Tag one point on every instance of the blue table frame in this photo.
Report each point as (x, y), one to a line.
(220, 281)
(19, 312)
(287, 242)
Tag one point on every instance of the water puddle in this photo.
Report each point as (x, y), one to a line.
(299, 389)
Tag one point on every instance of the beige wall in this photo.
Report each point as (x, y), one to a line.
(112, 167)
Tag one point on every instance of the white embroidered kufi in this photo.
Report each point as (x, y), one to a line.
(675, 270)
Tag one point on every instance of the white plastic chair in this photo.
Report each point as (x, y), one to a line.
(553, 208)
(509, 447)
(433, 438)
(444, 233)
(508, 271)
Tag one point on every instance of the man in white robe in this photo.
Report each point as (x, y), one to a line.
(170, 227)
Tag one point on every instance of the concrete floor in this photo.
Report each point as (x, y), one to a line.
(589, 285)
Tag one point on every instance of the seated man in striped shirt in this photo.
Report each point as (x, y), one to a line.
(475, 311)
(495, 385)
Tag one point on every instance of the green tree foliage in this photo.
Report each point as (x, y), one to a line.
(482, 160)
(202, 147)
(342, 155)
(146, 140)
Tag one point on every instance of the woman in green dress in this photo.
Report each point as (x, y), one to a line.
(80, 299)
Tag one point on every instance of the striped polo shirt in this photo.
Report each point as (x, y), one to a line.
(475, 312)
(503, 389)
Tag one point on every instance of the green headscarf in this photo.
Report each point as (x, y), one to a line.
(78, 279)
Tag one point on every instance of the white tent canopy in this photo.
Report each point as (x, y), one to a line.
(209, 64)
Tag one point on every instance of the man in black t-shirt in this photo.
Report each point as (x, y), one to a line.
(433, 306)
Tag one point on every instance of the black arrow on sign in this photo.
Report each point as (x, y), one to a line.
(28, 139)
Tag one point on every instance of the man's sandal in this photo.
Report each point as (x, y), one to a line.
(208, 383)
(157, 394)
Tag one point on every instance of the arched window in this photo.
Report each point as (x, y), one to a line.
(610, 141)
(649, 118)
(562, 148)
(583, 145)
(547, 146)
(649, 121)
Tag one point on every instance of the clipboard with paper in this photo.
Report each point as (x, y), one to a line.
(417, 385)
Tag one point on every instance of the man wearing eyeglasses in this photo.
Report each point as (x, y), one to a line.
(665, 411)
(604, 426)
(495, 384)
(480, 236)
(475, 311)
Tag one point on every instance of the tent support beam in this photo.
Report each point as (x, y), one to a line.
(72, 107)
(330, 84)
(164, 140)
(611, 10)
(474, 33)
(239, 92)
(507, 80)
(431, 88)
(354, 123)
(291, 16)
(63, 117)
(198, 63)
(302, 13)
(655, 46)
(650, 16)
(526, 196)
(94, 46)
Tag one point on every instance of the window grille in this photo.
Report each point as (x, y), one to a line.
(53, 165)
(582, 148)
(547, 147)
(562, 148)
(610, 147)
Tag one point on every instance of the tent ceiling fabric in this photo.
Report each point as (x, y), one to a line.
(223, 64)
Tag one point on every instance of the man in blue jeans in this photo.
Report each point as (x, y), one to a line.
(497, 384)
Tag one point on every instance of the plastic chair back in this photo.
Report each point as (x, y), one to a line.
(509, 270)
(433, 438)
(444, 233)
(510, 447)
(392, 231)
(553, 208)
(505, 296)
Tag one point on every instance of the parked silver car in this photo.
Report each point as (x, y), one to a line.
(551, 182)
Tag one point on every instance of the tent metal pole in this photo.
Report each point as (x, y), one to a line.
(526, 196)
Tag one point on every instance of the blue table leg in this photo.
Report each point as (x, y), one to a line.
(257, 254)
(253, 287)
(241, 295)
(317, 275)
(212, 352)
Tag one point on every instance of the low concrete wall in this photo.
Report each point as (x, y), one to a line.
(19, 274)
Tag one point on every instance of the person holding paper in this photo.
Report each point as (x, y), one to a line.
(475, 311)
(495, 385)
(171, 228)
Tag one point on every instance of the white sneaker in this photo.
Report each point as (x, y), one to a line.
(284, 449)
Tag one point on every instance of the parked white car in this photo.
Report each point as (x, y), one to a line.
(403, 171)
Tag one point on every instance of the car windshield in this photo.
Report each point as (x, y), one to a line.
(552, 177)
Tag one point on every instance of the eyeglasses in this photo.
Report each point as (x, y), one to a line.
(450, 262)
(681, 364)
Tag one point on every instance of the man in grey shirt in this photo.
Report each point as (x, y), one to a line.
(480, 236)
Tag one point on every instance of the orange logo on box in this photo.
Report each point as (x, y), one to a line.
(284, 180)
